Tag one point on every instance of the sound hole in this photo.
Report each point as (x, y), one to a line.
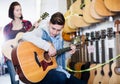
(117, 70)
(46, 56)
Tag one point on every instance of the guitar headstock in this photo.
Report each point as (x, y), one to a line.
(44, 15)
(92, 34)
(110, 33)
(103, 34)
(87, 37)
(116, 24)
(97, 35)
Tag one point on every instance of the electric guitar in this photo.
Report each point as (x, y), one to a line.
(10, 44)
(32, 63)
(115, 78)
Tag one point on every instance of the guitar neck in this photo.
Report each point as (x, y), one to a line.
(59, 52)
(34, 26)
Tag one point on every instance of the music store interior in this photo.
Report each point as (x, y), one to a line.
(93, 26)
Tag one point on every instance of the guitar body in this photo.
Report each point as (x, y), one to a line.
(106, 77)
(33, 62)
(68, 36)
(78, 66)
(101, 8)
(92, 74)
(10, 44)
(115, 78)
(98, 76)
(86, 13)
(93, 12)
(112, 5)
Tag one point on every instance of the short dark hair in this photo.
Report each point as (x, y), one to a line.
(57, 18)
(11, 10)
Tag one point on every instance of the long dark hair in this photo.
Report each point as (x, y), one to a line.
(11, 10)
(57, 18)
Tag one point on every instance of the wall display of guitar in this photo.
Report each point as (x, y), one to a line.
(97, 38)
(68, 36)
(100, 71)
(79, 59)
(85, 59)
(107, 67)
(101, 8)
(115, 78)
(112, 5)
(93, 64)
(32, 63)
(10, 44)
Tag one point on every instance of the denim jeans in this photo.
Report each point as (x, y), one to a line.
(54, 77)
(12, 72)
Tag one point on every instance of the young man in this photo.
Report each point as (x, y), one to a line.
(49, 39)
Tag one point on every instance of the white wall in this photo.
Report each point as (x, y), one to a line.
(30, 12)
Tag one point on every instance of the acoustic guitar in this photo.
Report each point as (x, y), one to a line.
(76, 18)
(115, 78)
(100, 71)
(86, 13)
(10, 44)
(92, 72)
(101, 8)
(93, 12)
(33, 63)
(68, 36)
(112, 5)
(107, 67)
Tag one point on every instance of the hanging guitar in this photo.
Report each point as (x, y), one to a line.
(115, 78)
(10, 44)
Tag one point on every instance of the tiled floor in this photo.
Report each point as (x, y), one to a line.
(5, 79)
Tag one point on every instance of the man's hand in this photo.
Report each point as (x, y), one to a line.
(52, 51)
(73, 49)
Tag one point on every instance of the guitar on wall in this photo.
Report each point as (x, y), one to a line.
(100, 71)
(115, 78)
(107, 67)
(10, 44)
(93, 64)
(38, 58)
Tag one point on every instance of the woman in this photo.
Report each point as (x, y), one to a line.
(11, 30)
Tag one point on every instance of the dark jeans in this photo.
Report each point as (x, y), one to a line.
(57, 77)
(54, 77)
(74, 80)
(12, 72)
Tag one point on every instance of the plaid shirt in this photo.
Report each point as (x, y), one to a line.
(11, 34)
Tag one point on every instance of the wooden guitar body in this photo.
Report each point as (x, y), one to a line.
(113, 5)
(93, 12)
(86, 13)
(98, 76)
(10, 44)
(115, 78)
(78, 66)
(101, 8)
(68, 36)
(106, 77)
(92, 74)
(33, 62)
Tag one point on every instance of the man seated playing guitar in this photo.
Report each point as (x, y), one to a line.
(49, 39)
